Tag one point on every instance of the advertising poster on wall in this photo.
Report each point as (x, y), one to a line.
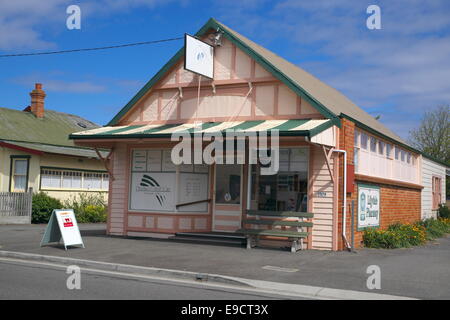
(368, 206)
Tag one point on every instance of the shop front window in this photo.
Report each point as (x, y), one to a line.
(158, 185)
(287, 189)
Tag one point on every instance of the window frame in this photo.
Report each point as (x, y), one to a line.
(13, 159)
(436, 192)
(178, 171)
(367, 141)
(61, 170)
(250, 191)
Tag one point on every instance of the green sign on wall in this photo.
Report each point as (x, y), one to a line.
(368, 206)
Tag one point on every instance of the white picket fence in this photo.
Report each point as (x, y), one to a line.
(15, 207)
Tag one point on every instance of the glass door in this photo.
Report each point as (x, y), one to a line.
(227, 209)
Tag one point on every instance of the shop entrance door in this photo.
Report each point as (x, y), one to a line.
(227, 206)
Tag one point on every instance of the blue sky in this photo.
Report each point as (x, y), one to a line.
(397, 72)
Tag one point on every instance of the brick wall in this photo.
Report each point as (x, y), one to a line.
(398, 203)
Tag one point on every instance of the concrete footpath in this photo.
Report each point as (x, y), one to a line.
(419, 272)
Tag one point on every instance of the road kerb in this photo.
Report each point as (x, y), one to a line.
(275, 287)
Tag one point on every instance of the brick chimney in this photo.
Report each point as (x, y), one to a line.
(37, 101)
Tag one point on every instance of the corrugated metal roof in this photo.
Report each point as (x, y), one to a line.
(64, 150)
(300, 127)
(53, 129)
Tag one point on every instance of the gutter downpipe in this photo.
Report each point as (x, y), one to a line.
(344, 211)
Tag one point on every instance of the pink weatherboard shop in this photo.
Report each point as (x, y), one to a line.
(331, 153)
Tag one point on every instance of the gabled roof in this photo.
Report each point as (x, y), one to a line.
(327, 100)
(53, 129)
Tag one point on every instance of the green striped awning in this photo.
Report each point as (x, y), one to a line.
(303, 127)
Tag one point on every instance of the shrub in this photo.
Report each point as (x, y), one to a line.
(92, 214)
(88, 207)
(435, 228)
(443, 211)
(42, 207)
(375, 238)
(410, 234)
(396, 236)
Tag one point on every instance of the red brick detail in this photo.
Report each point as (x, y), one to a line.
(398, 203)
(37, 101)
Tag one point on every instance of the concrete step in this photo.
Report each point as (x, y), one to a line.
(210, 238)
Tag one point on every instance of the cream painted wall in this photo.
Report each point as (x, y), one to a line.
(430, 169)
(46, 160)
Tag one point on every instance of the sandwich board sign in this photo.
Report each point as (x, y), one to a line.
(62, 225)
(198, 56)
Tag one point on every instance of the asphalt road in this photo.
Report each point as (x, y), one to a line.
(23, 280)
(419, 272)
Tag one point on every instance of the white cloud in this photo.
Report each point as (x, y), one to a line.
(56, 81)
(19, 21)
(398, 71)
(23, 22)
(51, 83)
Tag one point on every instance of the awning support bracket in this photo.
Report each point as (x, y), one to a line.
(106, 162)
(327, 160)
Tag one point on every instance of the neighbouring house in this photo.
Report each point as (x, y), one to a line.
(434, 174)
(339, 166)
(35, 152)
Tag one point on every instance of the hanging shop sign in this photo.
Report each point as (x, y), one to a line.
(368, 206)
(62, 226)
(198, 56)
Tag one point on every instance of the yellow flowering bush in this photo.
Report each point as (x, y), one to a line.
(395, 236)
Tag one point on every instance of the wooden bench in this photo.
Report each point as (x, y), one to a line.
(295, 234)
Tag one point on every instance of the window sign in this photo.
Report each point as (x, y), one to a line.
(160, 187)
(139, 160)
(153, 191)
(193, 187)
(368, 206)
(154, 160)
(167, 164)
(201, 168)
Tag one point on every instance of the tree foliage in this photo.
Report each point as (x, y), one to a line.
(433, 135)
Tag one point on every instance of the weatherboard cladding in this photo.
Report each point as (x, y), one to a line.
(302, 127)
